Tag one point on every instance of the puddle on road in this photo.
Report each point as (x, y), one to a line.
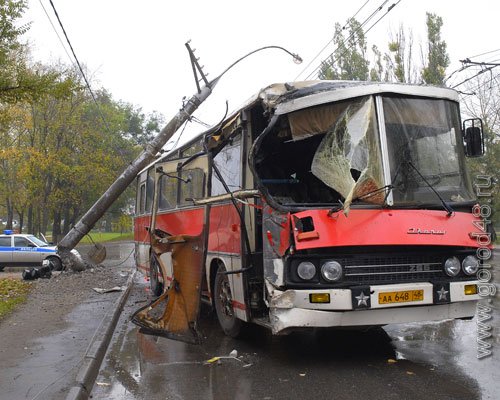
(58, 355)
(452, 345)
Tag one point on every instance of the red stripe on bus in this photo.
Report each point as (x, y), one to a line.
(237, 304)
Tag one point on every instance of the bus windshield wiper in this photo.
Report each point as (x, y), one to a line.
(446, 206)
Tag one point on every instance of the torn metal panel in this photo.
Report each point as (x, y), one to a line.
(276, 242)
(178, 320)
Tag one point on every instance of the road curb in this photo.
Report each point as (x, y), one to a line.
(96, 351)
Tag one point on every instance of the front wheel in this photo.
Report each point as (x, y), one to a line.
(223, 299)
(154, 274)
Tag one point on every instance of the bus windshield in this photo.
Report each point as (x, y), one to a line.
(425, 144)
(332, 154)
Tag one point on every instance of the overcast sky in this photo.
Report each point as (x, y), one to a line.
(136, 49)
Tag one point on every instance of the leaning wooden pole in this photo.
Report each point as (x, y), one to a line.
(87, 222)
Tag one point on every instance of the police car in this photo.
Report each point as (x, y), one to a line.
(26, 250)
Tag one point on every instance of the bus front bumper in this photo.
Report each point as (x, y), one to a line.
(371, 305)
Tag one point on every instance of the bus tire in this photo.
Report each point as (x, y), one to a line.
(230, 324)
(154, 272)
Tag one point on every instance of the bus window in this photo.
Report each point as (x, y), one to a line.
(168, 193)
(194, 189)
(196, 147)
(142, 198)
(150, 189)
(228, 161)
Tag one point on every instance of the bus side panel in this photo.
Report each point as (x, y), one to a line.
(224, 243)
(181, 221)
(225, 230)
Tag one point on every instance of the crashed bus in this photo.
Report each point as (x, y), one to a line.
(317, 204)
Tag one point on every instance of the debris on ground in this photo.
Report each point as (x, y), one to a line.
(232, 355)
(44, 272)
(113, 289)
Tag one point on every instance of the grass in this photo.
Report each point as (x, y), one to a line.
(101, 237)
(12, 293)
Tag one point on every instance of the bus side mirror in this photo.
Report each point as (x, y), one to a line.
(473, 137)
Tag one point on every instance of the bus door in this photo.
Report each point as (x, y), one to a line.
(179, 242)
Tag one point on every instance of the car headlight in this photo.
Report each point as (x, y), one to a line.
(306, 270)
(452, 266)
(470, 265)
(331, 271)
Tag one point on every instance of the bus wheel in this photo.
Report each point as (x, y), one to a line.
(154, 272)
(230, 324)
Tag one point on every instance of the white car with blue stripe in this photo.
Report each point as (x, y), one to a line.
(19, 250)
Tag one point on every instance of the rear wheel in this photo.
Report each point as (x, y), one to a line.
(223, 299)
(56, 263)
(154, 274)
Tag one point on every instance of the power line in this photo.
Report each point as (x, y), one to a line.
(80, 67)
(357, 12)
(483, 54)
(343, 41)
(389, 9)
(476, 75)
(331, 40)
(57, 33)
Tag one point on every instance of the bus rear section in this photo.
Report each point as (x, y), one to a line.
(323, 204)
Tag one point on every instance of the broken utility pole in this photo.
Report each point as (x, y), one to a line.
(87, 222)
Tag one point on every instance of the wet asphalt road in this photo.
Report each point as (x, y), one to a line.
(412, 361)
(45, 367)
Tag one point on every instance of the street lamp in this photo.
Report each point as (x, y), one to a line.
(85, 224)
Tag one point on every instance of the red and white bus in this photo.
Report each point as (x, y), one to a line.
(322, 204)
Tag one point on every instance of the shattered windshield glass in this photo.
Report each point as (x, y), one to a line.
(322, 155)
(427, 134)
(348, 159)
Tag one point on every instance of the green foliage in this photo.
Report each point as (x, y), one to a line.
(60, 151)
(437, 58)
(103, 237)
(18, 80)
(12, 293)
(348, 62)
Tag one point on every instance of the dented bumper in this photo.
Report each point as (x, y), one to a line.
(370, 305)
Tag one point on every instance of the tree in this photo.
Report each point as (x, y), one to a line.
(18, 80)
(484, 103)
(348, 61)
(400, 59)
(434, 71)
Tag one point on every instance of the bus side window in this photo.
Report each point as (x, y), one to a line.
(194, 188)
(228, 161)
(168, 193)
(150, 190)
(142, 198)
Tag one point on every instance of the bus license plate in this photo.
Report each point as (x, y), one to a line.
(400, 297)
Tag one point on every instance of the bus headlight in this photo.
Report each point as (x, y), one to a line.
(452, 266)
(331, 271)
(306, 270)
(470, 265)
